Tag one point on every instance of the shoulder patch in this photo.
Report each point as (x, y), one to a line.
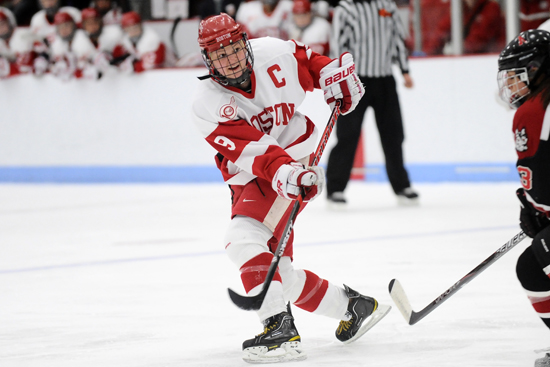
(229, 111)
(521, 140)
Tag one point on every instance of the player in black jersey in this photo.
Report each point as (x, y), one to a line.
(524, 83)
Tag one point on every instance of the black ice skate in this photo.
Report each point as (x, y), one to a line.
(280, 342)
(365, 312)
(544, 361)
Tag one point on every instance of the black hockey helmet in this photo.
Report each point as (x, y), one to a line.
(522, 60)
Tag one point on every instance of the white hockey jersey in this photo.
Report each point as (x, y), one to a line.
(43, 29)
(150, 52)
(257, 132)
(316, 35)
(84, 49)
(81, 52)
(259, 24)
(112, 17)
(18, 51)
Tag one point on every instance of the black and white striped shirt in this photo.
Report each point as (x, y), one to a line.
(372, 32)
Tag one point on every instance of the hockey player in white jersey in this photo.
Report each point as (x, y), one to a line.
(247, 109)
(42, 23)
(308, 28)
(110, 12)
(266, 18)
(142, 46)
(17, 55)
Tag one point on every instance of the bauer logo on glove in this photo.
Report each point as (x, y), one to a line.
(340, 74)
(340, 83)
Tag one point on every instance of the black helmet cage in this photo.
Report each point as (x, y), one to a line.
(224, 80)
(526, 56)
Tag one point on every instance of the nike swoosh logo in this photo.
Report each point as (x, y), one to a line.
(246, 200)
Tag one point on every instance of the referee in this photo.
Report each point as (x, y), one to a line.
(372, 32)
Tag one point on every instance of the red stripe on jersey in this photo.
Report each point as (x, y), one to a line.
(541, 305)
(309, 67)
(231, 137)
(254, 271)
(314, 290)
(267, 164)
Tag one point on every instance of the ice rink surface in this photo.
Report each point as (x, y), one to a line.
(136, 276)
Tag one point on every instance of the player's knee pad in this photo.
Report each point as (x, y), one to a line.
(245, 239)
(530, 272)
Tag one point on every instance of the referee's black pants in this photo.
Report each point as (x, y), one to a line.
(381, 95)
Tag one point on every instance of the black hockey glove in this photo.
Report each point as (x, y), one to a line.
(531, 220)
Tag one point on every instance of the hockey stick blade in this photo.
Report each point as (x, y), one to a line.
(247, 303)
(402, 302)
(400, 299)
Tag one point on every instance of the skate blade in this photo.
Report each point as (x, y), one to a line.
(287, 352)
(374, 319)
(403, 201)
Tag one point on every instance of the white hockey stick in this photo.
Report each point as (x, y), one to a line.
(412, 317)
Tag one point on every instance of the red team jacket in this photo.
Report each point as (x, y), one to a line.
(531, 130)
(483, 30)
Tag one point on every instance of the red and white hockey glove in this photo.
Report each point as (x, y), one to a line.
(40, 65)
(340, 82)
(290, 178)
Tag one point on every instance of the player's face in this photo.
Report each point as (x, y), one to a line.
(230, 61)
(5, 29)
(65, 29)
(48, 3)
(92, 25)
(302, 20)
(133, 31)
(515, 85)
(103, 5)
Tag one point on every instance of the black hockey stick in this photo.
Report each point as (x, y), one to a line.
(255, 302)
(402, 302)
(173, 34)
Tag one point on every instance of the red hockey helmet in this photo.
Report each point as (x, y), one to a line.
(218, 32)
(301, 7)
(129, 19)
(7, 16)
(90, 13)
(62, 17)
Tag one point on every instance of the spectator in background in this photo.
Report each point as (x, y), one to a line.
(85, 53)
(16, 48)
(42, 23)
(483, 29)
(64, 60)
(266, 18)
(309, 29)
(141, 47)
(430, 11)
(532, 13)
(109, 10)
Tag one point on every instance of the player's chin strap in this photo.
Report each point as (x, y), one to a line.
(204, 77)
